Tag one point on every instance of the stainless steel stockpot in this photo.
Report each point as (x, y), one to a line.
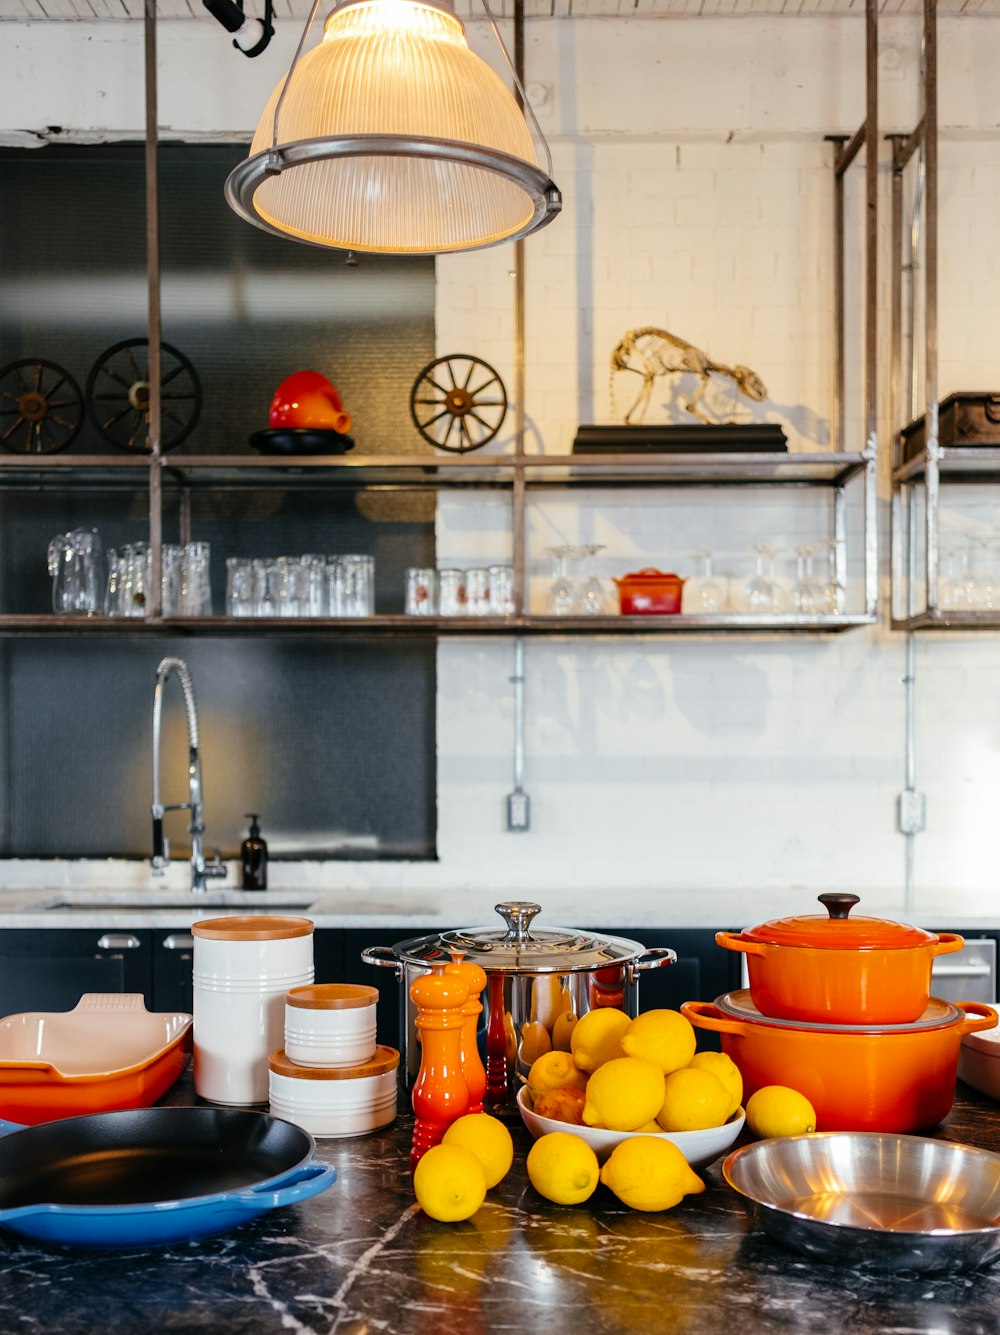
(532, 976)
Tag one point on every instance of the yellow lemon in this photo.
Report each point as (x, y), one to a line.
(623, 1094)
(535, 1040)
(552, 1070)
(449, 1183)
(562, 1031)
(510, 1051)
(776, 1110)
(597, 1037)
(488, 1139)
(546, 999)
(650, 1128)
(563, 1168)
(649, 1174)
(662, 1036)
(724, 1069)
(693, 1100)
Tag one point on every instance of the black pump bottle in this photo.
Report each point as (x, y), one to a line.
(253, 855)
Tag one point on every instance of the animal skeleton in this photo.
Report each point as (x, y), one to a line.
(652, 352)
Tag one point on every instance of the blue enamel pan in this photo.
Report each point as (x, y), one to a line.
(151, 1176)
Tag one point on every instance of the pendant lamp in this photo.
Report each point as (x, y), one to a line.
(390, 135)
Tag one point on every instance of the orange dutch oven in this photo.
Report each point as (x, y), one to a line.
(838, 969)
(899, 1079)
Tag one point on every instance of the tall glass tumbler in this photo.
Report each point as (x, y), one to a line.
(354, 586)
(421, 592)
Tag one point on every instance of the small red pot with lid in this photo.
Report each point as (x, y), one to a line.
(838, 969)
(649, 592)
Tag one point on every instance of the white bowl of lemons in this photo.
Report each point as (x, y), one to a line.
(700, 1148)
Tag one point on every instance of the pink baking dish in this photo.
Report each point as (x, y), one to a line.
(109, 1052)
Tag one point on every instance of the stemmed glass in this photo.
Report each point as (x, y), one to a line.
(759, 590)
(591, 598)
(704, 595)
(955, 591)
(807, 594)
(562, 592)
(833, 593)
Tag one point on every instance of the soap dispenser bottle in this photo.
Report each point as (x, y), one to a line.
(253, 856)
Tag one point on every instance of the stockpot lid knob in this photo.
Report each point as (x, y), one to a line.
(517, 914)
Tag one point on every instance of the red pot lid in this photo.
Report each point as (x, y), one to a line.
(837, 931)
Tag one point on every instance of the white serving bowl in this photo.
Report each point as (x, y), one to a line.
(979, 1061)
(700, 1148)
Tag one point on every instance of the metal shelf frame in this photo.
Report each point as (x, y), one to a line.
(520, 474)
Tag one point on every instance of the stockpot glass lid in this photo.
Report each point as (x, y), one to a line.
(516, 949)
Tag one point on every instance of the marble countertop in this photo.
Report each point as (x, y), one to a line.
(363, 1258)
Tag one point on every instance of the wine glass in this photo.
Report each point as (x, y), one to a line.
(955, 589)
(591, 598)
(807, 593)
(833, 594)
(759, 590)
(704, 595)
(561, 600)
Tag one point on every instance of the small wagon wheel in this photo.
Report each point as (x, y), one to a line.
(41, 407)
(458, 403)
(118, 395)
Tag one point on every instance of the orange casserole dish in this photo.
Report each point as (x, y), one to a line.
(107, 1053)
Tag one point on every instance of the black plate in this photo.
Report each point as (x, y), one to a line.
(723, 438)
(300, 440)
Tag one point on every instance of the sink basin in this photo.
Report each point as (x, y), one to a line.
(151, 901)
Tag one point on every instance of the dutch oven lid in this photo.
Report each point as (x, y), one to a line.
(938, 1014)
(515, 949)
(837, 931)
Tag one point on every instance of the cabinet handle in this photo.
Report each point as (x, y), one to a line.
(179, 941)
(974, 969)
(118, 941)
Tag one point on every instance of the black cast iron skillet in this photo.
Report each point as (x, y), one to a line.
(152, 1175)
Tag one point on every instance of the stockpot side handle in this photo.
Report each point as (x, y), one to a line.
(654, 958)
(734, 941)
(383, 958)
(947, 943)
(977, 1016)
(706, 1015)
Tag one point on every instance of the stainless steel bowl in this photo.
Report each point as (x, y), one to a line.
(899, 1202)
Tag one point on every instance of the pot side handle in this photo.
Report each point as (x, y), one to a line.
(654, 958)
(309, 1180)
(733, 941)
(946, 944)
(383, 957)
(705, 1015)
(977, 1016)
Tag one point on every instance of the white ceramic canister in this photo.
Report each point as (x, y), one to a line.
(335, 1100)
(330, 1024)
(243, 966)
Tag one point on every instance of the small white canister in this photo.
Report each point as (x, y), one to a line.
(335, 1100)
(330, 1024)
(243, 966)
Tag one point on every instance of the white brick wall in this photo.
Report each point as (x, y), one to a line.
(707, 780)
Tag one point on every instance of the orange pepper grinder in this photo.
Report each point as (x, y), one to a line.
(440, 1094)
(472, 1064)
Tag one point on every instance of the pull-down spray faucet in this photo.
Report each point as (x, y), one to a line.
(161, 848)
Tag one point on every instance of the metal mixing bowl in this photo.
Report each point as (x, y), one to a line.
(852, 1197)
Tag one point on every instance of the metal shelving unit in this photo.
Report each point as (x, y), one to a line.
(917, 482)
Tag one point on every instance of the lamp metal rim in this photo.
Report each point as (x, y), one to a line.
(244, 180)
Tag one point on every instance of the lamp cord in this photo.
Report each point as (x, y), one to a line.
(519, 86)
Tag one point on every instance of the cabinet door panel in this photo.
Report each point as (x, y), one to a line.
(51, 969)
(173, 982)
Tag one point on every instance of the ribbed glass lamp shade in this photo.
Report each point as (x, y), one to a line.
(394, 136)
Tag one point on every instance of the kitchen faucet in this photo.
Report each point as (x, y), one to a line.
(160, 860)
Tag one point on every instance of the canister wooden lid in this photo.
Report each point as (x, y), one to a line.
(251, 928)
(332, 996)
(384, 1060)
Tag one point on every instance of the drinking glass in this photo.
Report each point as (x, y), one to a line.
(807, 593)
(477, 592)
(703, 595)
(75, 564)
(421, 592)
(265, 588)
(239, 586)
(354, 586)
(451, 592)
(833, 595)
(590, 596)
(502, 590)
(195, 581)
(171, 562)
(134, 580)
(562, 592)
(313, 592)
(955, 589)
(759, 591)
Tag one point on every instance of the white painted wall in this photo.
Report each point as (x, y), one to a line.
(699, 781)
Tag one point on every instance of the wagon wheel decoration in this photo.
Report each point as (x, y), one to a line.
(118, 395)
(458, 403)
(41, 407)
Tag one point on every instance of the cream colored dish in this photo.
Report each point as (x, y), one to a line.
(700, 1148)
(109, 1052)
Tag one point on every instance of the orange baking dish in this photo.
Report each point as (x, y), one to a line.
(107, 1053)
